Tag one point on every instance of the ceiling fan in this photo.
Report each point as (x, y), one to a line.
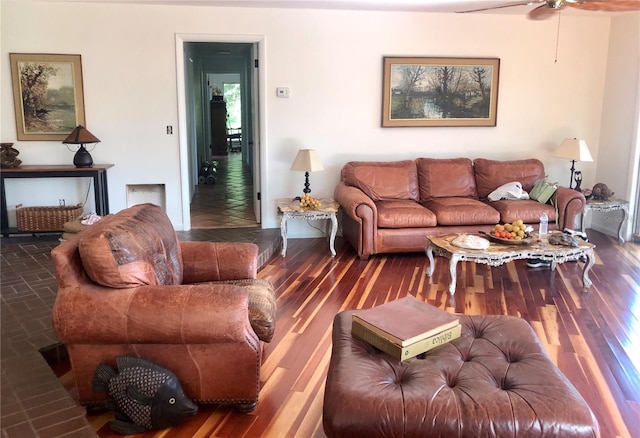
(548, 8)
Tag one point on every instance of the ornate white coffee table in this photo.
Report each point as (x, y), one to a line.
(290, 209)
(498, 254)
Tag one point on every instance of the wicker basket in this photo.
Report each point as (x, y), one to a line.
(46, 218)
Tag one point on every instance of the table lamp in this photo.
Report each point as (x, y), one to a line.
(574, 150)
(307, 161)
(80, 135)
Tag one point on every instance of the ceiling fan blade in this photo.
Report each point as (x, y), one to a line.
(608, 6)
(508, 5)
(543, 12)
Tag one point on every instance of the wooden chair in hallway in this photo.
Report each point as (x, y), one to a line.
(234, 138)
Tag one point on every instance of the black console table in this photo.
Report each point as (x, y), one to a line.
(98, 172)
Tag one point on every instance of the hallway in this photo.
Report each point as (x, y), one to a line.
(228, 202)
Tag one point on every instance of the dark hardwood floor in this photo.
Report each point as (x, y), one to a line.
(593, 335)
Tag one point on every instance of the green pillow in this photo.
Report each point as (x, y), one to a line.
(542, 191)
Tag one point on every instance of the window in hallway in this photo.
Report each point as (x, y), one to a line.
(232, 96)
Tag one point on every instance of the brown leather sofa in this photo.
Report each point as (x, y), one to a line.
(393, 206)
(127, 286)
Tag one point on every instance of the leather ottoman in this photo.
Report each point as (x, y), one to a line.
(494, 381)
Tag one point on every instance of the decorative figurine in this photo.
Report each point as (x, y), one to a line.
(577, 177)
(601, 191)
(146, 395)
(8, 156)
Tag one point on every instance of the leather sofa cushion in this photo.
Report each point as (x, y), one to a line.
(491, 174)
(404, 214)
(262, 305)
(528, 210)
(383, 180)
(462, 211)
(136, 247)
(440, 178)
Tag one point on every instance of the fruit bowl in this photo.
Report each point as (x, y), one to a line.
(523, 241)
(514, 233)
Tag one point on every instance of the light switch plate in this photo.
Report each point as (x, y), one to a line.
(282, 92)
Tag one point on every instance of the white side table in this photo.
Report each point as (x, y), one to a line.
(290, 209)
(607, 205)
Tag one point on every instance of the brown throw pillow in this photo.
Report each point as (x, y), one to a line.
(135, 247)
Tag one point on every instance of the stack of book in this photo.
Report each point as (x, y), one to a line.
(406, 327)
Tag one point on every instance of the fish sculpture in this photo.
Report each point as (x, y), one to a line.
(146, 396)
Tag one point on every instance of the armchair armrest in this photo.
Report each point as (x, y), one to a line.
(213, 261)
(570, 203)
(183, 314)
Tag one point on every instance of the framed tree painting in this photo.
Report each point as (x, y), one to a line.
(47, 95)
(423, 91)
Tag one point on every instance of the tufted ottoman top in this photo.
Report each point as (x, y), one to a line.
(494, 381)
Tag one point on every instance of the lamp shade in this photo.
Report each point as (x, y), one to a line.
(307, 160)
(573, 149)
(80, 135)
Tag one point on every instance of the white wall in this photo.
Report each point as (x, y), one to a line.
(619, 150)
(332, 62)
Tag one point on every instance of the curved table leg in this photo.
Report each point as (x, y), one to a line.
(625, 215)
(430, 268)
(283, 233)
(586, 281)
(583, 219)
(334, 229)
(453, 264)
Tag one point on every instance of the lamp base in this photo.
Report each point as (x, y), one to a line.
(82, 158)
(307, 186)
(573, 168)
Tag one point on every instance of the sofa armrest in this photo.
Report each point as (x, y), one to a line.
(186, 314)
(354, 203)
(214, 261)
(569, 203)
(360, 218)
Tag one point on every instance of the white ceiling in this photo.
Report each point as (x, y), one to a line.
(519, 8)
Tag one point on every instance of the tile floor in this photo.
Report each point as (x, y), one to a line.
(228, 202)
(33, 403)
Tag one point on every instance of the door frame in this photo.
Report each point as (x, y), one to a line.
(259, 183)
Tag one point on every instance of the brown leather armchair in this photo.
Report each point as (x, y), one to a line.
(127, 286)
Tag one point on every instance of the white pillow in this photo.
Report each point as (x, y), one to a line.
(511, 190)
(470, 241)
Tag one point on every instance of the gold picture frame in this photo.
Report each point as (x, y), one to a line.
(431, 91)
(48, 95)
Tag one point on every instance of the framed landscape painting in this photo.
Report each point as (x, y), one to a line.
(47, 95)
(423, 91)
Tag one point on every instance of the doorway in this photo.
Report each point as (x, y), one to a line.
(225, 63)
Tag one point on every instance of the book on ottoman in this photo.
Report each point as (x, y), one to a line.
(406, 327)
